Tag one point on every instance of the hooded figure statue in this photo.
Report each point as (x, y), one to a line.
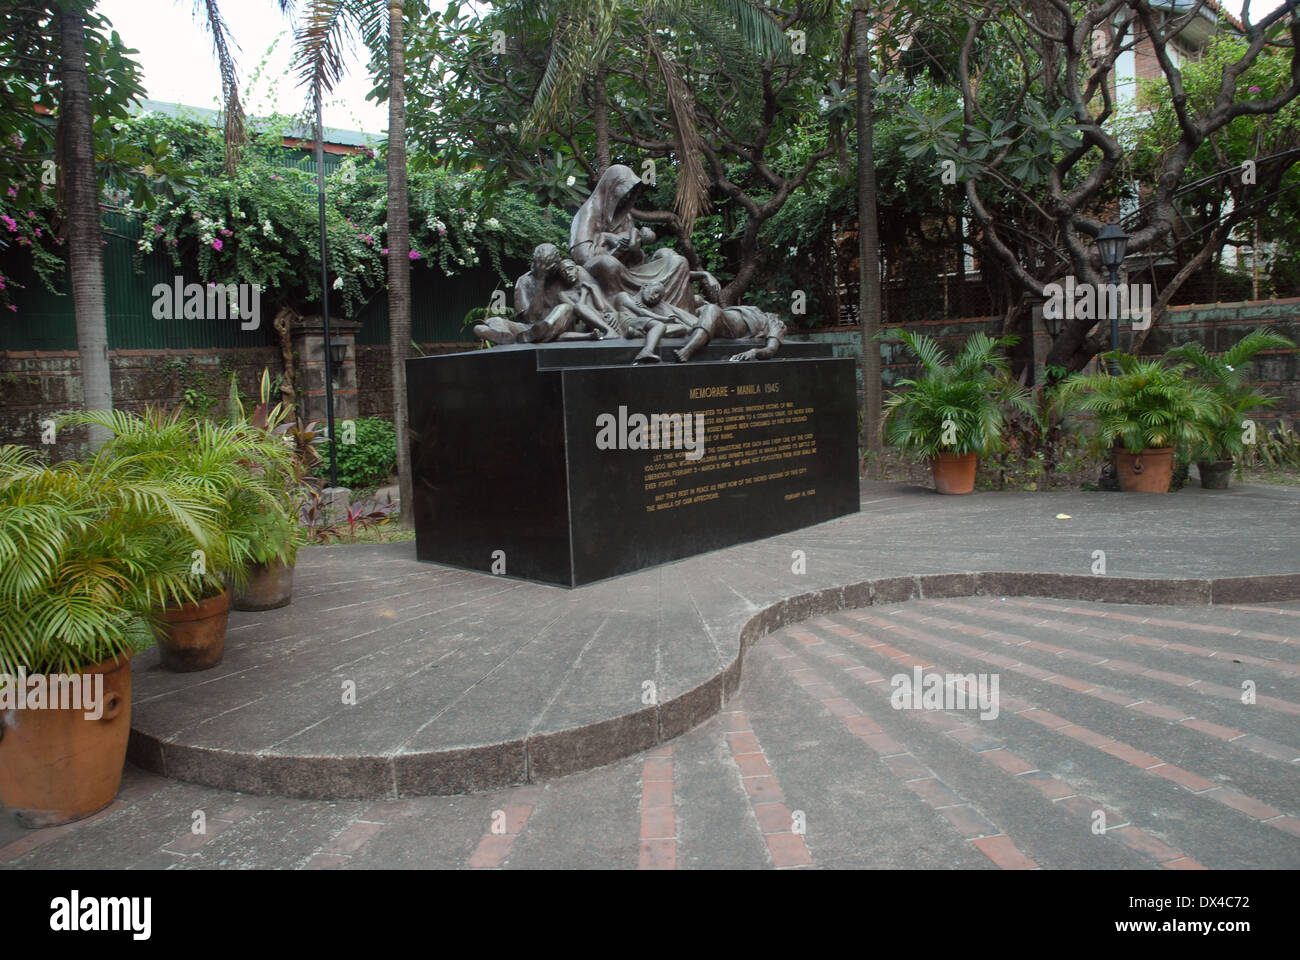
(607, 243)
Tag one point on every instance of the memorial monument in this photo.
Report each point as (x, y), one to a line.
(571, 452)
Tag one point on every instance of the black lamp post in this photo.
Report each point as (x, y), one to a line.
(1112, 244)
(324, 286)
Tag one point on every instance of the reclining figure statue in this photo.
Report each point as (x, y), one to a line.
(609, 288)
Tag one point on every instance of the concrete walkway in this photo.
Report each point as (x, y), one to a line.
(1121, 737)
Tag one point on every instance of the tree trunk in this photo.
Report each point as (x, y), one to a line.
(868, 239)
(399, 261)
(600, 111)
(84, 230)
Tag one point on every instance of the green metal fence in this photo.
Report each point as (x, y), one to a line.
(45, 320)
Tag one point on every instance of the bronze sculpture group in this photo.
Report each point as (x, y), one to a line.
(607, 288)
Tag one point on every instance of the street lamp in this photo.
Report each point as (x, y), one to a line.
(338, 351)
(1112, 244)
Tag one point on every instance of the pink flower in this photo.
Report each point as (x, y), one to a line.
(13, 192)
(157, 231)
(384, 250)
(1254, 90)
(13, 308)
(226, 233)
(415, 254)
(10, 222)
(216, 244)
(38, 231)
(31, 214)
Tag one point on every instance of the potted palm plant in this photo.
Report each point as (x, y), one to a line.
(273, 551)
(237, 472)
(957, 410)
(87, 552)
(1145, 412)
(1225, 375)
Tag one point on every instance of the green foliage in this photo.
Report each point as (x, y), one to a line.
(967, 398)
(1279, 449)
(87, 551)
(240, 472)
(1225, 375)
(1215, 173)
(372, 458)
(131, 172)
(1148, 405)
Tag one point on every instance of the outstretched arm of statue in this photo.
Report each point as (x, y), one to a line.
(712, 289)
(766, 352)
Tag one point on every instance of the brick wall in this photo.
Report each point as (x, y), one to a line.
(36, 385)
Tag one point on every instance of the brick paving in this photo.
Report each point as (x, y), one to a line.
(810, 765)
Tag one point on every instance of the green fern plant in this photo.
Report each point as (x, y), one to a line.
(87, 552)
(1148, 405)
(966, 398)
(239, 471)
(1225, 375)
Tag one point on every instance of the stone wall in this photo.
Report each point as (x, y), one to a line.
(38, 385)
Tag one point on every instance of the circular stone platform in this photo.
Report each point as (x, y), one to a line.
(389, 677)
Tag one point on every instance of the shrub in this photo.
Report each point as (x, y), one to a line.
(973, 393)
(1148, 405)
(371, 459)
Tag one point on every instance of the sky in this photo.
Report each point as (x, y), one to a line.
(181, 67)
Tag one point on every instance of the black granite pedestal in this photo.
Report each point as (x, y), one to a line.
(566, 464)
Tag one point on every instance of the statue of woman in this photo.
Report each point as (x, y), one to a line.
(608, 244)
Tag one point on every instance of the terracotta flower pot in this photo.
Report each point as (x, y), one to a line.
(1214, 473)
(1145, 472)
(270, 585)
(954, 472)
(55, 764)
(193, 636)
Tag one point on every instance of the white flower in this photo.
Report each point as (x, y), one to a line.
(266, 228)
(492, 223)
(570, 182)
(513, 128)
(502, 128)
(338, 283)
(793, 251)
(145, 244)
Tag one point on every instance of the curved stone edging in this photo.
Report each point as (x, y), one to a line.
(525, 760)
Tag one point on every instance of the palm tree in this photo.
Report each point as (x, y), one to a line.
(327, 26)
(868, 238)
(235, 135)
(81, 208)
(582, 32)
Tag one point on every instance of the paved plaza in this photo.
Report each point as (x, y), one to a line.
(498, 723)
